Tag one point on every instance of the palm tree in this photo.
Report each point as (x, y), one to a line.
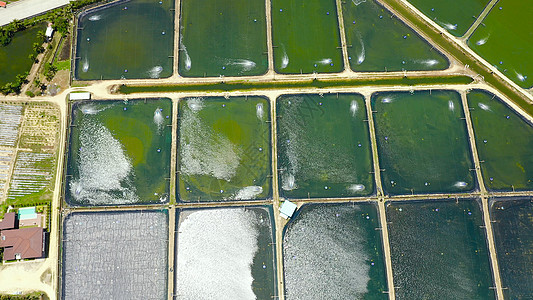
(41, 36)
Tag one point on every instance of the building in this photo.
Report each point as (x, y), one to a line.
(79, 96)
(287, 209)
(8, 222)
(49, 32)
(23, 243)
(3, 4)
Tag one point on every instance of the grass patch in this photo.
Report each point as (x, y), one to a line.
(316, 83)
(62, 65)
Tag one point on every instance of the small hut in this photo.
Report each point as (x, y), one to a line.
(49, 32)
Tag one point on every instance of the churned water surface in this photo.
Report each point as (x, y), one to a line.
(225, 254)
(438, 250)
(333, 251)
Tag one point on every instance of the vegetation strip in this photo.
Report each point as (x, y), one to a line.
(313, 83)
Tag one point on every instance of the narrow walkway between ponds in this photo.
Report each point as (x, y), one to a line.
(27, 8)
(485, 207)
(479, 20)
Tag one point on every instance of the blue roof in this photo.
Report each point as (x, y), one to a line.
(287, 209)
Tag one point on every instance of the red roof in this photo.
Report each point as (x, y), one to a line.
(25, 242)
(8, 222)
(3, 4)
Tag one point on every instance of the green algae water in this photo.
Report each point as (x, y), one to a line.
(14, 58)
(504, 143)
(372, 31)
(119, 152)
(225, 253)
(126, 39)
(505, 40)
(422, 142)
(333, 251)
(305, 35)
(323, 146)
(224, 149)
(438, 250)
(223, 38)
(512, 224)
(456, 16)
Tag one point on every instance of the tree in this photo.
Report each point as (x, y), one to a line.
(38, 48)
(41, 36)
(50, 71)
(61, 24)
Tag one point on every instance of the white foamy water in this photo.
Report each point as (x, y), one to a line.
(428, 62)
(158, 119)
(215, 252)
(484, 106)
(520, 76)
(246, 64)
(324, 256)
(103, 168)
(387, 100)
(451, 106)
(325, 61)
(195, 104)
(361, 56)
(92, 109)
(188, 62)
(354, 188)
(353, 107)
(259, 111)
(483, 41)
(204, 151)
(155, 72)
(288, 182)
(248, 193)
(284, 58)
(460, 184)
(85, 66)
(449, 26)
(95, 18)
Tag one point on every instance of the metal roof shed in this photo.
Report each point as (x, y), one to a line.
(80, 96)
(287, 209)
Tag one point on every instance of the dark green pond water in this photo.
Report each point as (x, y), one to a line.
(119, 152)
(14, 57)
(225, 37)
(126, 39)
(456, 16)
(323, 146)
(505, 40)
(513, 224)
(438, 250)
(422, 142)
(225, 253)
(333, 251)
(381, 42)
(305, 35)
(504, 143)
(224, 149)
